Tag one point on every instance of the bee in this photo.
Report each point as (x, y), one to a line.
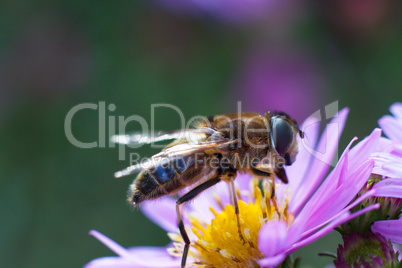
(215, 150)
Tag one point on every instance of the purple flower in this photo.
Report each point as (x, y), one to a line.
(367, 238)
(366, 251)
(389, 158)
(388, 164)
(392, 126)
(307, 208)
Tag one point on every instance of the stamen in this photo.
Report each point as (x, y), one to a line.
(178, 246)
(247, 234)
(197, 225)
(198, 245)
(262, 220)
(207, 245)
(285, 210)
(174, 252)
(213, 211)
(218, 201)
(175, 237)
(226, 254)
(277, 210)
(263, 208)
(196, 232)
(228, 242)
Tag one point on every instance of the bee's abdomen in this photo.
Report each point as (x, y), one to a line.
(158, 181)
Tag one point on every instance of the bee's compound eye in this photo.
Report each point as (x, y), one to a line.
(281, 135)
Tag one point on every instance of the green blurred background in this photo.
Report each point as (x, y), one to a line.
(297, 56)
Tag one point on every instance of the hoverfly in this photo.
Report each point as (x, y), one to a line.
(215, 150)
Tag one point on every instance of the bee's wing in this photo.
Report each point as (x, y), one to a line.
(185, 149)
(175, 152)
(192, 135)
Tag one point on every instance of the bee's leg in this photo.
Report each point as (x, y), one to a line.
(188, 196)
(233, 198)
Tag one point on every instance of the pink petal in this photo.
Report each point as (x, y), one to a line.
(272, 237)
(243, 181)
(340, 213)
(110, 262)
(118, 262)
(133, 257)
(321, 162)
(390, 229)
(384, 145)
(297, 171)
(162, 212)
(343, 195)
(389, 188)
(154, 257)
(318, 211)
(113, 246)
(335, 179)
(272, 261)
(329, 228)
(200, 206)
(396, 110)
(392, 170)
(391, 127)
(398, 248)
(222, 191)
(387, 164)
(362, 151)
(396, 149)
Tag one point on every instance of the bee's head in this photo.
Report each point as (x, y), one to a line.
(283, 131)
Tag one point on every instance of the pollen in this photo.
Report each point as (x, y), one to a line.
(221, 243)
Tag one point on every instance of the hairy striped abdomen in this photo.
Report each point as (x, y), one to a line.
(161, 180)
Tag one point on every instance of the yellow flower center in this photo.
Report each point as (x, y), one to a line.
(219, 243)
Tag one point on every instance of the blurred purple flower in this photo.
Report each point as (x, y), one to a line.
(360, 20)
(232, 11)
(282, 79)
(307, 208)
